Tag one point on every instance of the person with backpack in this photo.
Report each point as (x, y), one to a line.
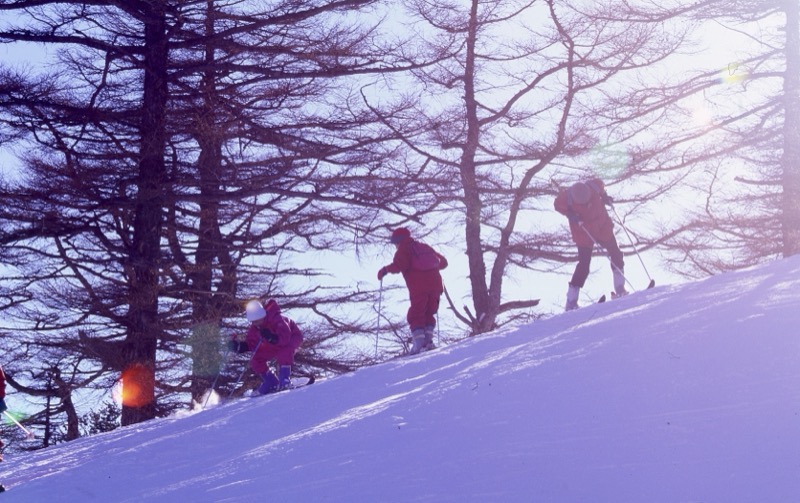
(420, 265)
(583, 204)
(271, 336)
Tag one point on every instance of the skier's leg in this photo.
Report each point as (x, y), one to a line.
(269, 383)
(284, 376)
(430, 319)
(579, 277)
(416, 320)
(572, 297)
(260, 363)
(582, 267)
(428, 343)
(417, 341)
(617, 266)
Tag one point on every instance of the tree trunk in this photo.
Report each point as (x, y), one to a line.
(484, 314)
(790, 161)
(140, 345)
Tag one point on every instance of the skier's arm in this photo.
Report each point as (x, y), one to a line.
(238, 346)
(561, 204)
(280, 327)
(442, 261)
(600, 187)
(401, 261)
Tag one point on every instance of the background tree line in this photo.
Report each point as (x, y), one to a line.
(174, 159)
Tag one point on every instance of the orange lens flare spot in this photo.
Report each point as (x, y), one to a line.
(137, 386)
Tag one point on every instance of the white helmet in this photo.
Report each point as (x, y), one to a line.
(254, 311)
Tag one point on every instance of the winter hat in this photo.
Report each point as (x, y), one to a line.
(580, 193)
(400, 234)
(254, 311)
(272, 307)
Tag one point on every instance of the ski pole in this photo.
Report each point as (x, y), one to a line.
(245, 369)
(612, 262)
(619, 220)
(378, 329)
(438, 331)
(28, 432)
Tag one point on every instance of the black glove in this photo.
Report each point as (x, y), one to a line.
(3, 407)
(268, 335)
(238, 347)
(381, 273)
(574, 218)
(607, 200)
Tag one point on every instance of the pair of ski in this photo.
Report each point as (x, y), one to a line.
(603, 297)
(297, 382)
(301, 382)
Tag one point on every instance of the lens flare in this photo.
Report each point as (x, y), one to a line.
(733, 73)
(11, 417)
(136, 386)
(116, 392)
(609, 161)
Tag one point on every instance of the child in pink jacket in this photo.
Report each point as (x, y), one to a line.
(271, 336)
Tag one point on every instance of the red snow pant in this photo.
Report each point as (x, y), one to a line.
(266, 352)
(422, 312)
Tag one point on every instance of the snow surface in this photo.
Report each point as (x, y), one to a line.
(676, 394)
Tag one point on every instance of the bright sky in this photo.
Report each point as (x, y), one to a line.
(723, 52)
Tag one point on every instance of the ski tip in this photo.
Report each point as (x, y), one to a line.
(601, 299)
(651, 284)
(311, 379)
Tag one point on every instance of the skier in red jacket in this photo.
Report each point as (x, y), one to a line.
(420, 266)
(271, 336)
(584, 205)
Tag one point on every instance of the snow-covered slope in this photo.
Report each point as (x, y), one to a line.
(676, 394)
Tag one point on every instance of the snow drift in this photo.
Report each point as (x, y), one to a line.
(676, 394)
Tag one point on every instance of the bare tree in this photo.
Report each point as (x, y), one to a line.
(288, 162)
(261, 153)
(72, 112)
(752, 182)
(526, 101)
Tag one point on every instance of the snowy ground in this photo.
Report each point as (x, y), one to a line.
(676, 394)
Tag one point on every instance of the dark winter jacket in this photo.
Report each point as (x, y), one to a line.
(592, 215)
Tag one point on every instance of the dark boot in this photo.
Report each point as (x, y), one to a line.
(417, 341)
(284, 376)
(269, 383)
(428, 344)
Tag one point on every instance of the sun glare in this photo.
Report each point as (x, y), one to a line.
(134, 388)
(733, 73)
